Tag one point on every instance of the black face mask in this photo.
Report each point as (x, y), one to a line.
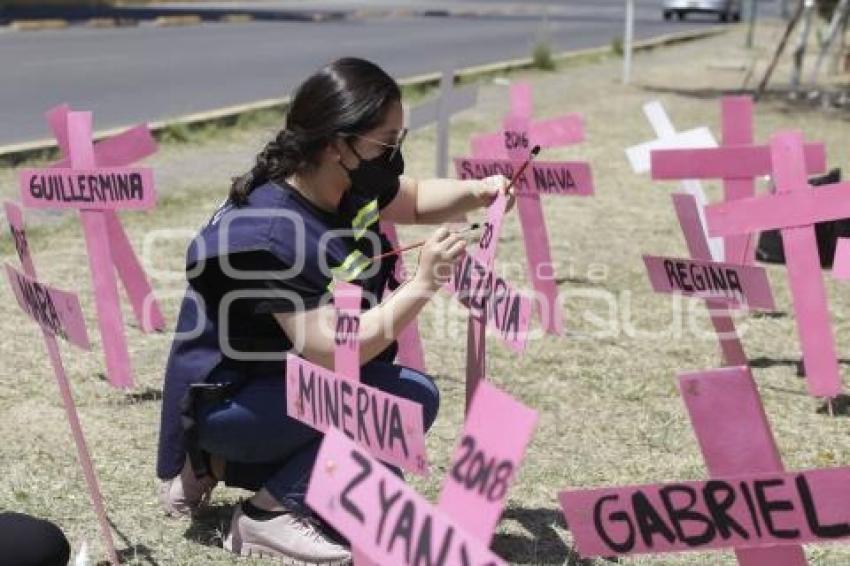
(375, 177)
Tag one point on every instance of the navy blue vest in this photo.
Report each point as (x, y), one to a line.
(277, 225)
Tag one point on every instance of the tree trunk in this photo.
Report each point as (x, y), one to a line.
(800, 50)
(836, 29)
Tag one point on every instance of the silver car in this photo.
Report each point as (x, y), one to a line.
(726, 10)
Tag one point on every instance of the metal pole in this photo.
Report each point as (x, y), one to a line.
(627, 42)
(752, 15)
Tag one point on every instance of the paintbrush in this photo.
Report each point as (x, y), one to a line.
(534, 152)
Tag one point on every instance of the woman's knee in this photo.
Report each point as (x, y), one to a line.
(426, 394)
(407, 383)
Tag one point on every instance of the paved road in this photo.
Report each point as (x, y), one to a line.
(147, 73)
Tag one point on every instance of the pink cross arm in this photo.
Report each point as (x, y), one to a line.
(389, 427)
(649, 518)
(557, 132)
(549, 133)
(780, 210)
(123, 149)
(56, 311)
(555, 178)
(736, 162)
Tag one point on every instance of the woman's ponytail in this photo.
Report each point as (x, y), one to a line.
(280, 158)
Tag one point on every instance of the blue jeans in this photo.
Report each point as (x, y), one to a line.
(263, 447)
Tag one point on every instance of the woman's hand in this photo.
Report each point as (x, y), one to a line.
(488, 189)
(438, 256)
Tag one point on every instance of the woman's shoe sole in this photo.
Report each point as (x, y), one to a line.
(249, 550)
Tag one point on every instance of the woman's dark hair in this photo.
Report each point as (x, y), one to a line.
(347, 96)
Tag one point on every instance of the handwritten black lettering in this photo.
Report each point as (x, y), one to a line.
(362, 476)
(474, 471)
(324, 398)
(87, 188)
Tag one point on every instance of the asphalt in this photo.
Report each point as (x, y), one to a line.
(146, 73)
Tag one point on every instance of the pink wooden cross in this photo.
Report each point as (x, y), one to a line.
(98, 182)
(737, 162)
(390, 427)
(750, 504)
(515, 142)
(392, 524)
(794, 209)
(744, 285)
(485, 254)
(721, 404)
(492, 301)
(59, 314)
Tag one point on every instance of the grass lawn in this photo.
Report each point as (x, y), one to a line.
(609, 409)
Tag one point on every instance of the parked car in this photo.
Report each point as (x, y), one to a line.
(726, 10)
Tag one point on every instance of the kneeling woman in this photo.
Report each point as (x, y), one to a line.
(259, 277)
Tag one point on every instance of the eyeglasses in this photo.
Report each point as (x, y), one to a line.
(396, 147)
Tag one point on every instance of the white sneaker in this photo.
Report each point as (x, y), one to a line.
(292, 536)
(185, 495)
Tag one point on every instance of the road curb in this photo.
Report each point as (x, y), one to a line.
(177, 21)
(236, 18)
(16, 153)
(101, 23)
(38, 25)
